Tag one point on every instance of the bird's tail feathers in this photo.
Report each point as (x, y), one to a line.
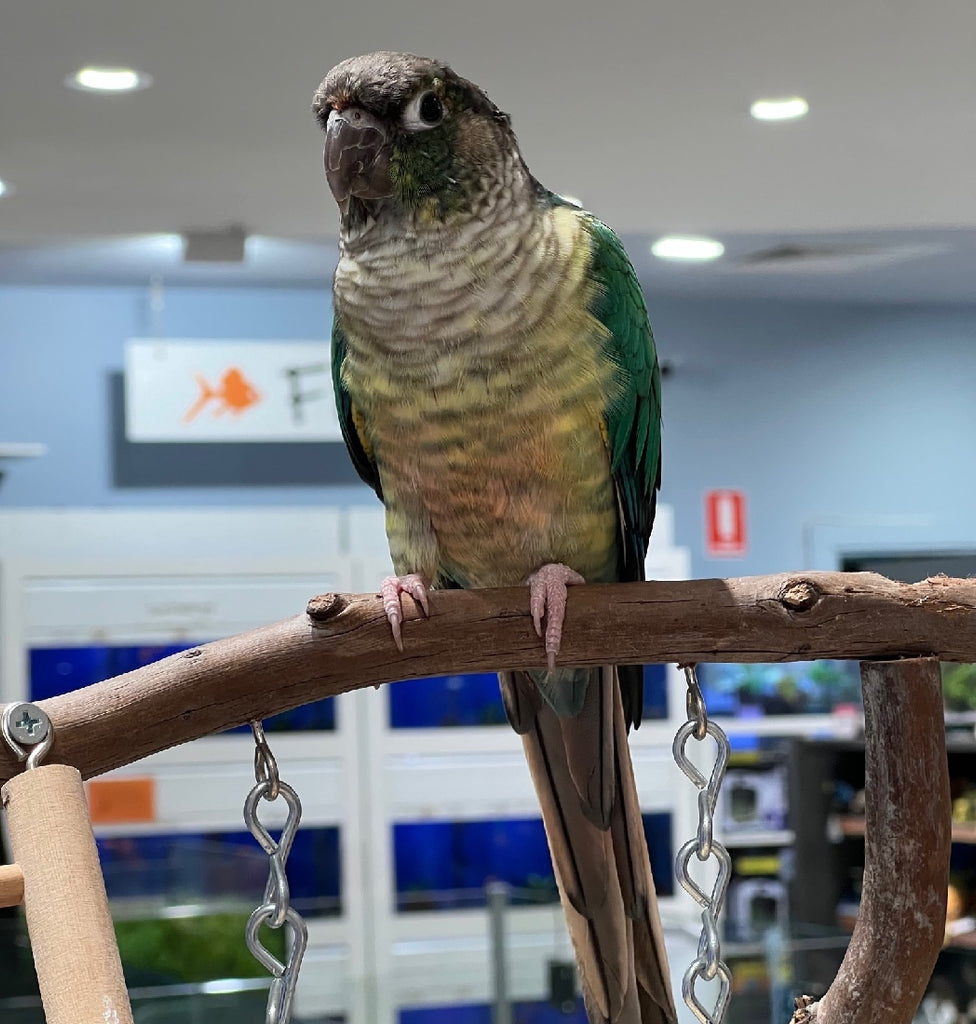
(637, 886)
(521, 699)
(585, 784)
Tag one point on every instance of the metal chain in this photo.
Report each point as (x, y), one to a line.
(275, 910)
(708, 964)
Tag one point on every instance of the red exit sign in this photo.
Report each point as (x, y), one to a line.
(725, 524)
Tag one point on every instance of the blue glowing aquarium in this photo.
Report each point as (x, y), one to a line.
(481, 1013)
(444, 865)
(790, 688)
(198, 867)
(57, 670)
(466, 700)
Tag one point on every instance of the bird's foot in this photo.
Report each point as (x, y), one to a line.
(547, 596)
(415, 584)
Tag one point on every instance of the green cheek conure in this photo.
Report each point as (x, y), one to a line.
(498, 387)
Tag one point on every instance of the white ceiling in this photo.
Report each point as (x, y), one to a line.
(639, 108)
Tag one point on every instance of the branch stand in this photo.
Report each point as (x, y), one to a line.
(901, 924)
(58, 875)
(343, 643)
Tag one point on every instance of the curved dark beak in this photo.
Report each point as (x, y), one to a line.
(357, 156)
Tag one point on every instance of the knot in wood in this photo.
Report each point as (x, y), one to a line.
(323, 607)
(800, 595)
(805, 1010)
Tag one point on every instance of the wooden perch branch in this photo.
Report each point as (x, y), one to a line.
(344, 643)
(901, 923)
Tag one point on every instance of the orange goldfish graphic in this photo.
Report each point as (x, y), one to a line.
(234, 393)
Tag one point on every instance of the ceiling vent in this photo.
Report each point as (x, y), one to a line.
(829, 259)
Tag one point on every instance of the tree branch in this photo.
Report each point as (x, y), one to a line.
(344, 643)
(901, 922)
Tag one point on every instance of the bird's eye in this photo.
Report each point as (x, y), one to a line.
(424, 111)
(431, 110)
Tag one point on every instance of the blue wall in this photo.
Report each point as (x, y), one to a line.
(849, 428)
(58, 346)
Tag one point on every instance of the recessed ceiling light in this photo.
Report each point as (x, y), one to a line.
(92, 79)
(4, 187)
(687, 247)
(788, 108)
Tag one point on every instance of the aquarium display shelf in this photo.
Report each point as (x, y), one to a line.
(853, 825)
(767, 837)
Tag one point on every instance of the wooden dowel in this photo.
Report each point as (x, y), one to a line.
(901, 922)
(68, 920)
(344, 643)
(11, 885)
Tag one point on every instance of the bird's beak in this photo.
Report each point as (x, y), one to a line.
(357, 156)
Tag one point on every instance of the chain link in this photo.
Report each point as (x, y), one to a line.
(708, 964)
(265, 765)
(275, 910)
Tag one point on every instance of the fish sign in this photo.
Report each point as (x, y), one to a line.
(233, 393)
(206, 391)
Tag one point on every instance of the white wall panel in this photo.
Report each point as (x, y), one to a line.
(325, 982)
(460, 787)
(238, 539)
(209, 796)
(138, 609)
(157, 576)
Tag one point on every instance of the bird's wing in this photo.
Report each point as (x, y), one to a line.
(350, 418)
(633, 415)
(632, 418)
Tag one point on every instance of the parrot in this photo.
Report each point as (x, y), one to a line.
(498, 387)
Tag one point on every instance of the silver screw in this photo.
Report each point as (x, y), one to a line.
(28, 724)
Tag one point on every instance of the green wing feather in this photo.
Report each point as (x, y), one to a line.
(632, 419)
(358, 444)
(633, 416)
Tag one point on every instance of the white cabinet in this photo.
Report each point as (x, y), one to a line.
(85, 578)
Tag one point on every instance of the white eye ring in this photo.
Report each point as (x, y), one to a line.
(417, 119)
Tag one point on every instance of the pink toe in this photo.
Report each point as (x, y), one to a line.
(547, 589)
(416, 586)
(392, 587)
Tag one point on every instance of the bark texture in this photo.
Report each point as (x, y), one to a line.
(343, 642)
(901, 923)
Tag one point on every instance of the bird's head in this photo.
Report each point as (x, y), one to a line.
(408, 138)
